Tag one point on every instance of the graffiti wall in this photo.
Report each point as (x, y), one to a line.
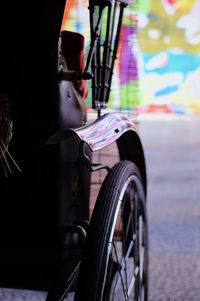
(169, 35)
(125, 92)
(158, 65)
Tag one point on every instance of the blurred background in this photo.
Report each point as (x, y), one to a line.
(158, 62)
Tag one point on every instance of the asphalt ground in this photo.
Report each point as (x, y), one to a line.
(172, 151)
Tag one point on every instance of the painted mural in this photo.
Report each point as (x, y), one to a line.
(169, 36)
(125, 92)
(158, 65)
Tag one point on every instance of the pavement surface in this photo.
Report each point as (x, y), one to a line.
(172, 151)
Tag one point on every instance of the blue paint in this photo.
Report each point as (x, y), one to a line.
(78, 26)
(183, 62)
(167, 90)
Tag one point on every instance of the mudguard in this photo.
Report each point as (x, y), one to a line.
(105, 130)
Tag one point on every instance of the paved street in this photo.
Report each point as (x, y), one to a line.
(172, 149)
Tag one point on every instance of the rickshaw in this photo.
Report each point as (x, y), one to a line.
(50, 242)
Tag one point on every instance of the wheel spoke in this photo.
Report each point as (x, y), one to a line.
(123, 278)
(120, 272)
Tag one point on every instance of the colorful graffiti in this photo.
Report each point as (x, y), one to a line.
(126, 73)
(169, 35)
(125, 89)
(158, 63)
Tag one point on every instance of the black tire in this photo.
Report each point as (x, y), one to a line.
(116, 249)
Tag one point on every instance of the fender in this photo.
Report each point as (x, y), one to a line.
(109, 128)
